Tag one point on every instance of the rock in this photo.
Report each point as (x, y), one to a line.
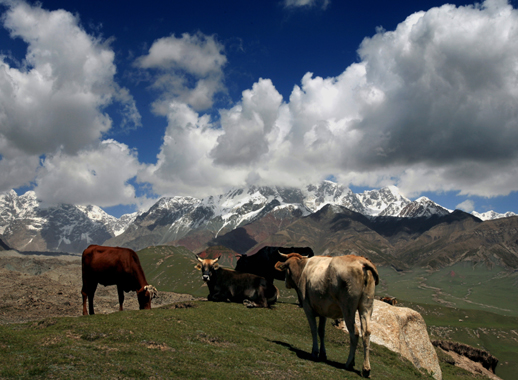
(471, 359)
(403, 330)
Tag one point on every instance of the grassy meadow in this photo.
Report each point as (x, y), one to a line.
(195, 340)
(205, 340)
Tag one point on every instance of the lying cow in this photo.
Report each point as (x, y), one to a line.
(226, 284)
(334, 287)
(390, 300)
(114, 266)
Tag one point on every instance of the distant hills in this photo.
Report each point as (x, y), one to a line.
(380, 224)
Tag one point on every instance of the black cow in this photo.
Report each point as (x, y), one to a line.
(230, 285)
(263, 262)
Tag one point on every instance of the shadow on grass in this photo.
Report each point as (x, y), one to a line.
(307, 356)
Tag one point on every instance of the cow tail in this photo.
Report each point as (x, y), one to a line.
(367, 266)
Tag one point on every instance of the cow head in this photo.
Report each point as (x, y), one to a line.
(145, 295)
(207, 267)
(293, 265)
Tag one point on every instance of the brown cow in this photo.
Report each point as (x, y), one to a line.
(390, 300)
(114, 266)
(334, 287)
(226, 284)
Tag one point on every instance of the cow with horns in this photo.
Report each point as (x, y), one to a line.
(334, 287)
(230, 285)
(263, 262)
(114, 266)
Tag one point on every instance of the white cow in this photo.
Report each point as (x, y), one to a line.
(334, 287)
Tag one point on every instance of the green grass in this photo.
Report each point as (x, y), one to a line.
(461, 285)
(204, 341)
(171, 269)
(469, 292)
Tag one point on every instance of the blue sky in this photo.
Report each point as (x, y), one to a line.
(117, 103)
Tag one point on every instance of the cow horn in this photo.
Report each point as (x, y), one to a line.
(198, 257)
(283, 255)
(216, 259)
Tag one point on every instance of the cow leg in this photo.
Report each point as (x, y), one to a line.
(365, 310)
(88, 291)
(321, 334)
(312, 320)
(366, 335)
(85, 296)
(349, 312)
(120, 291)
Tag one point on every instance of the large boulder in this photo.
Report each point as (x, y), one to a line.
(403, 330)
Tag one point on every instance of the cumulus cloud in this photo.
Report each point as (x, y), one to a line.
(189, 70)
(430, 106)
(98, 175)
(183, 164)
(53, 103)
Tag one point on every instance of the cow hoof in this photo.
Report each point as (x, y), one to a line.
(366, 373)
(249, 304)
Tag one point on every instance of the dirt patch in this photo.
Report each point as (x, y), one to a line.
(35, 287)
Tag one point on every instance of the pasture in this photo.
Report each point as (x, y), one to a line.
(195, 340)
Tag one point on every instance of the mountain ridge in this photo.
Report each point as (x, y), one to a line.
(243, 220)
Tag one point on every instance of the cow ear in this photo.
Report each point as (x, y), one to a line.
(198, 266)
(215, 266)
(280, 266)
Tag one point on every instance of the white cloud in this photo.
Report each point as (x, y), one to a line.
(247, 126)
(184, 166)
(189, 70)
(467, 206)
(431, 106)
(97, 176)
(53, 104)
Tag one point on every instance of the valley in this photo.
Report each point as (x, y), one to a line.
(460, 303)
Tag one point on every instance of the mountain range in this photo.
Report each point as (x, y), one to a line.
(380, 224)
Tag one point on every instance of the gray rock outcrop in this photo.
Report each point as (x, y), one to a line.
(403, 330)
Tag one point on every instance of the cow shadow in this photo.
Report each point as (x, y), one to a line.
(307, 356)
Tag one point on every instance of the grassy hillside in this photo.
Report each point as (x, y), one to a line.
(461, 285)
(171, 269)
(188, 341)
(462, 303)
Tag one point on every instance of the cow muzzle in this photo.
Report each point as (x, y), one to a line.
(205, 277)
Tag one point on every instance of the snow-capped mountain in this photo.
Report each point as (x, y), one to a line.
(492, 215)
(422, 207)
(387, 201)
(27, 225)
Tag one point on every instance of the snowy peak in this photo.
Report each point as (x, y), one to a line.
(317, 196)
(387, 201)
(422, 207)
(28, 224)
(492, 215)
